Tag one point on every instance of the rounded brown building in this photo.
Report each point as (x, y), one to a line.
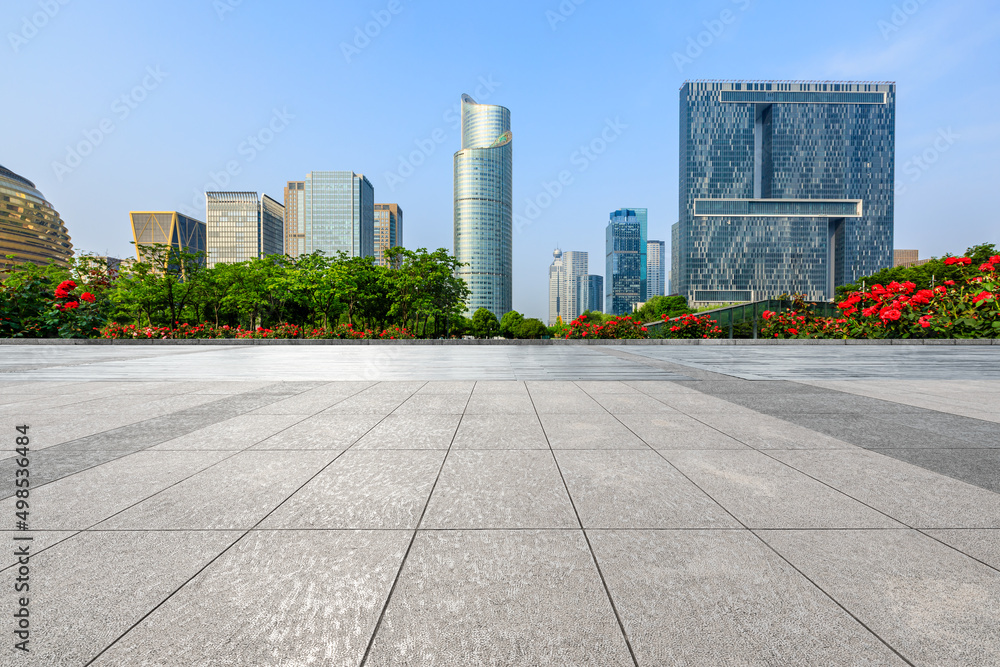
(30, 229)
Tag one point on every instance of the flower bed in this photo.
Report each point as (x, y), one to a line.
(619, 328)
(691, 326)
(185, 331)
(964, 308)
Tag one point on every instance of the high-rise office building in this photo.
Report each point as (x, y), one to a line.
(557, 288)
(625, 249)
(388, 230)
(243, 226)
(483, 200)
(656, 265)
(785, 187)
(595, 293)
(295, 218)
(167, 228)
(568, 285)
(30, 228)
(339, 214)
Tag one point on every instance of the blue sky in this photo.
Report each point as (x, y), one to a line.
(166, 97)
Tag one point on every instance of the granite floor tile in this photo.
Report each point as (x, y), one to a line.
(51, 464)
(363, 489)
(235, 494)
(932, 604)
(328, 430)
(234, 434)
(493, 387)
(368, 403)
(618, 404)
(677, 431)
(764, 493)
(459, 387)
(500, 489)
(636, 489)
(913, 495)
(564, 403)
(433, 404)
(980, 467)
(276, 598)
(476, 598)
(315, 400)
(983, 545)
(599, 388)
(412, 432)
(589, 431)
(93, 587)
(104, 490)
(875, 433)
(499, 404)
(724, 598)
(40, 540)
(765, 432)
(500, 432)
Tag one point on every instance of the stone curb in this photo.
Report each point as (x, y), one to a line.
(717, 342)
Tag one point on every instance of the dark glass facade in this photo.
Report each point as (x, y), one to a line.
(625, 248)
(595, 293)
(784, 187)
(162, 228)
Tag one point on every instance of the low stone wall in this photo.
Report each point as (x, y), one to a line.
(716, 342)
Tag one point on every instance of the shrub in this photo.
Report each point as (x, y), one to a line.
(691, 326)
(616, 328)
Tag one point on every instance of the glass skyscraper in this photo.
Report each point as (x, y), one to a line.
(339, 214)
(595, 293)
(295, 218)
(625, 250)
(30, 228)
(483, 199)
(243, 226)
(785, 187)
(388, 230)
(656, 264)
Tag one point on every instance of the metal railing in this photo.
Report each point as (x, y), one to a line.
(729, 316)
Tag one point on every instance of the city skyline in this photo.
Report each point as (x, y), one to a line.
(251, 139)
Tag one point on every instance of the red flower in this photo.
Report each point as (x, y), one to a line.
(88, 297)
(890, 314)
(794, 332)
(948, 261)
(982, 296)
(768, 314)
(950, 283)
(61, 293)
(67, 285)
(995, 259)
(986, 267)
(71, 305)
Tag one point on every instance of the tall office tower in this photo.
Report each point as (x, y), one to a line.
(243, 226)
(595, 293)
(30, 228)
(388, 230)
(167, 228)
(625, 250)
(656, 269)
(339, 214)
(295, 218)
(784, 187)
(557, 288)
(577, 266)
(483, 198)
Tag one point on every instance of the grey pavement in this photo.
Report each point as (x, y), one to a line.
(559, 505)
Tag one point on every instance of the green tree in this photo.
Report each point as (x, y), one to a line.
(510, 324)
(924, 276)
(532, 328)
(485, 324)
(658, 306)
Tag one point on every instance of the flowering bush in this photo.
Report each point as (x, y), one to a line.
(691, 326)
(966, 307)
(396, 333)
(618, 328)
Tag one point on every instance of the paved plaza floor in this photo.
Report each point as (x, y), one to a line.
(503, 505)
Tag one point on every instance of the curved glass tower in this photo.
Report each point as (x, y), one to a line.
(30, 227)
(483, 192)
